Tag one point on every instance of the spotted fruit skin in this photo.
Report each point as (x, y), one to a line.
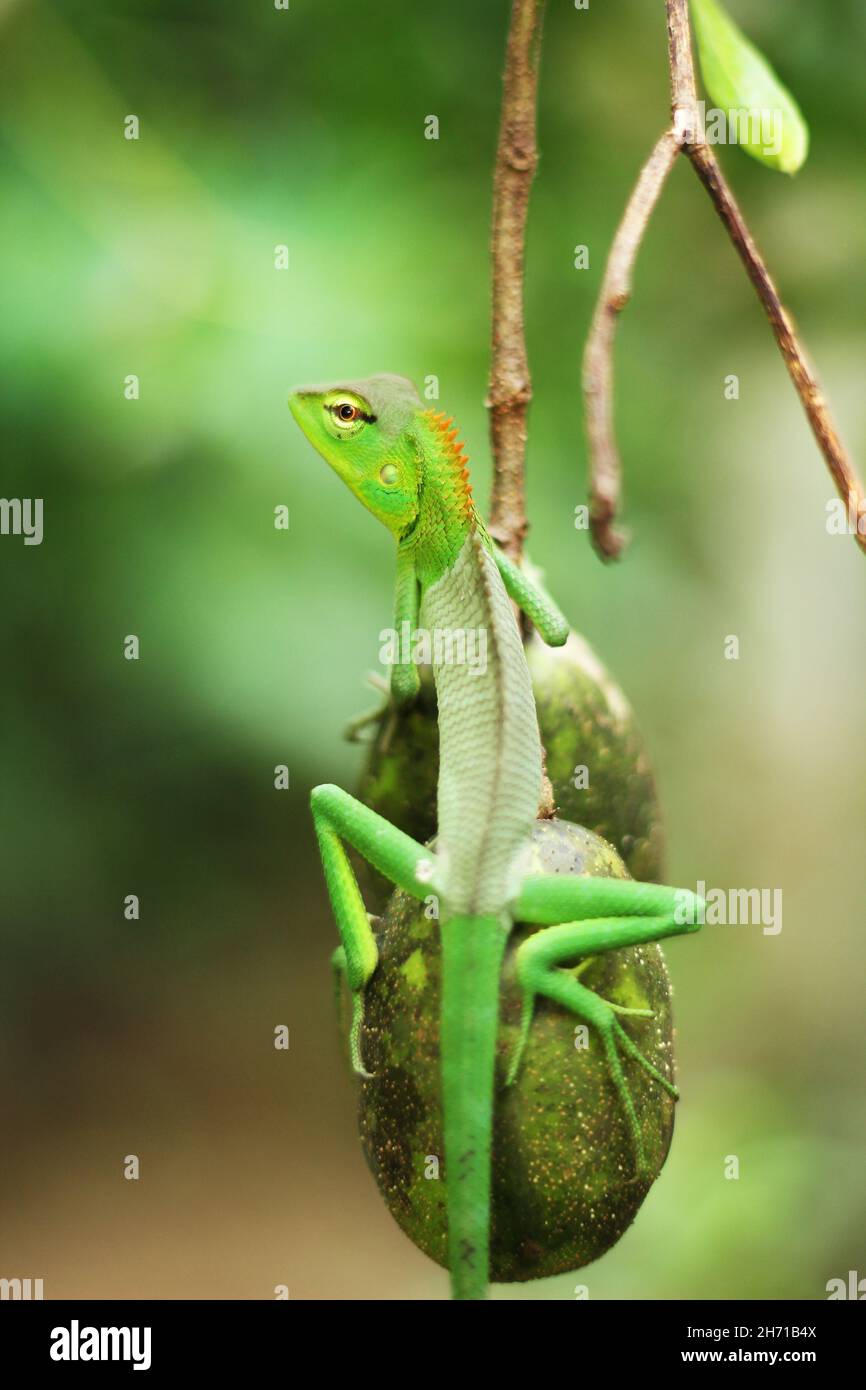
(565, 1187)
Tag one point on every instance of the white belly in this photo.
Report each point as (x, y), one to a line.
(490, 751)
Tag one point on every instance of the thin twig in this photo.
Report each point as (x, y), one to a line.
(598, 359)
(510, 388)
(806, 384)
(708, 170)
(688, 135)
(684, 88)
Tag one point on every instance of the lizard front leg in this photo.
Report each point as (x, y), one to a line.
(339, 817)
(532, 599)
(585, 917)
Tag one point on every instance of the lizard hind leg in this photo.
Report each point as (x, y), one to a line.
(610, 914)
(339, 971)
(528, 1011)
(551, 981)
(339, 817)
(620, 1009)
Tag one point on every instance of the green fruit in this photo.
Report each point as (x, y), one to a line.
(585, 721)
(565, 1186)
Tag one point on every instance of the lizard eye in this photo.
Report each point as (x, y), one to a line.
(389, 474)
(346, 414)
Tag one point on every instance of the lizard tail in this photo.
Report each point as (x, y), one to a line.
(472, 952)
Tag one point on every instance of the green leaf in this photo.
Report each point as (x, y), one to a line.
(763, 116)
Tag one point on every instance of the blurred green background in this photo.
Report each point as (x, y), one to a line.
(155, 777)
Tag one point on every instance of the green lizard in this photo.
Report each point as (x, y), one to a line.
(403, 462)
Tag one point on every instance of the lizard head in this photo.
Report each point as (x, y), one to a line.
(366, 431)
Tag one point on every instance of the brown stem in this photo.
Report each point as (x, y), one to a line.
(598, 372)
(688, 135)
(708, 170)
(806, 384)
(510, 387)
(684, 88)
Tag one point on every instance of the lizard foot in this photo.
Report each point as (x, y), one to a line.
(561, 985)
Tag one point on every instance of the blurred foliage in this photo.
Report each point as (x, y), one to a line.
(156, 257)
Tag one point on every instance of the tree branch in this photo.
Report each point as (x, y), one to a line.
(598, 371)
(806, 384)
(510, 387)
(684, 88)
(688, 136)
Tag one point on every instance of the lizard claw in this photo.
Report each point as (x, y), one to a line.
(363, 721)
